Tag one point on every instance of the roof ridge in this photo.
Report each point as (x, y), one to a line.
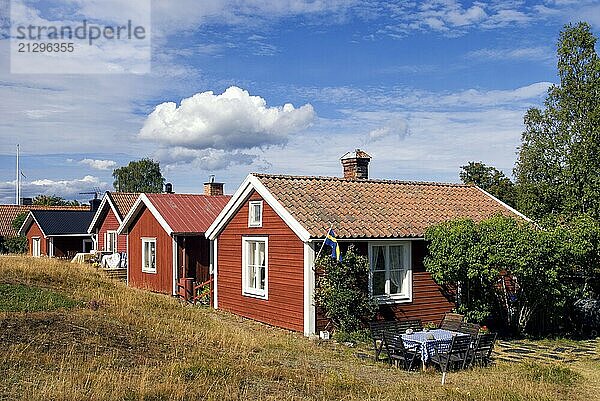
(370, 181)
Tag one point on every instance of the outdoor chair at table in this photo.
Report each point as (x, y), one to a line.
(391, 327)
(398, 352)
(469, 328)
(414, 325)
(451, 321)
(427, 341)
(377, 330)
(481, 352)
(454, 356)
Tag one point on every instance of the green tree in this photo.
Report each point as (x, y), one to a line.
(503, 267)
(139, 176)
(18, 221)
(489, 179)
(342, 290)
(53, 200)
(558, 167)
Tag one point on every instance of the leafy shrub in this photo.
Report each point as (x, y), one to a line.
(510, 268)
(15, 245)
(342, 291)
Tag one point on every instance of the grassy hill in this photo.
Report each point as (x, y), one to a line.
(68, 333)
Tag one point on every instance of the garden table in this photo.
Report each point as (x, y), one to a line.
(427, 341)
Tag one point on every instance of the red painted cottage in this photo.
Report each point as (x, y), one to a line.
(166, 242)
(58, 233)
(266, 238)
(109, 216)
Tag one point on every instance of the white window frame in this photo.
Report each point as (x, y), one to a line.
(247, 290)
(36, 252)
(251, 221)
(110, 246)
(146, 240)
(392, 298)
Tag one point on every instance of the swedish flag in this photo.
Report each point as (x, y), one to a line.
(335, 248)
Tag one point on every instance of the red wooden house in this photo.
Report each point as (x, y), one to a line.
(266, 238)
(58, 233)
(166, 242)
(109, 216)
(8, 213)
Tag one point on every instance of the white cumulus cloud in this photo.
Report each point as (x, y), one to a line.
(99, 164)
(233, 120)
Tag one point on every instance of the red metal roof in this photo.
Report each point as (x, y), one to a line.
(188, 213)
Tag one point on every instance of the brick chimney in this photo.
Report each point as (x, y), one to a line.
(212, 188)
(356, 165)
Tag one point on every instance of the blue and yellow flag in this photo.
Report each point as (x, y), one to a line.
(335, 248)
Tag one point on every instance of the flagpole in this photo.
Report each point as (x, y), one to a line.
(323, 244)
(18, 182)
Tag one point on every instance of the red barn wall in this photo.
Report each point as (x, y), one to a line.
(110, 223)
(35, 231)
(161, 281)
(285, 305)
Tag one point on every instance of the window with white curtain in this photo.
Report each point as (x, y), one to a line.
(149, 255)
(110, 241)
(255, 265)
(391, 273)
(255, 213)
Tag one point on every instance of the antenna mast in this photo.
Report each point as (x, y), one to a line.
(18, 182)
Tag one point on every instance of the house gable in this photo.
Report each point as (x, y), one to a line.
(250, 185)
(284, 306)
(145, 225)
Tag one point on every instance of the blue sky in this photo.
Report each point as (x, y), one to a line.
(424, 87)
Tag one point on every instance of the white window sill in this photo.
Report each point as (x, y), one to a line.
(250, 294)
(149, 271)
(392, 299)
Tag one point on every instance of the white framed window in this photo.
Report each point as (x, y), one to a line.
(149, 255)
(110, 241)
(390, 279)
(255, 267)
(255, 213)
(35, 247)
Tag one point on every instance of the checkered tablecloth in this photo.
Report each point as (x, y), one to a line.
(426, 345)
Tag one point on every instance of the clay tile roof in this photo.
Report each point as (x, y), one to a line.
(123, 202)
(9, 212)
(377, 208)
(188, 213)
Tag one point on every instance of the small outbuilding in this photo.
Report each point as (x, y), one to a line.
(165, 238)
(109, 216)
(58, 233)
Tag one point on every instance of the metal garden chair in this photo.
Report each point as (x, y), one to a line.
(451, 321)
(481, 352)
(397, 352)
(456, 355)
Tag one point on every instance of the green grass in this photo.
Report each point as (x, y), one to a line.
(555, 374)
(128, 344)
(23, 298)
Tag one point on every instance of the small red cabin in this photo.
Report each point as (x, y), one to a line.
(266, 238)
(109, 216)
(166, 242)
(57, 233)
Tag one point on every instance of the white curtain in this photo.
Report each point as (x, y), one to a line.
(396, 268)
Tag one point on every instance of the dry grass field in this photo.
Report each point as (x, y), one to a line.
(68, 333)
